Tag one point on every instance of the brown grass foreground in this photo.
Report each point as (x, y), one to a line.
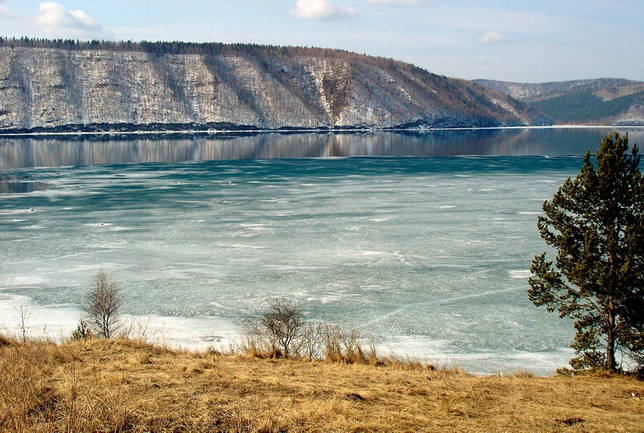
(121, 386)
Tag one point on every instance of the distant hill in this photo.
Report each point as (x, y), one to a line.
(66, 85)
(599, 101)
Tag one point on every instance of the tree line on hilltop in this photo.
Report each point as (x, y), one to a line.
(203, 48)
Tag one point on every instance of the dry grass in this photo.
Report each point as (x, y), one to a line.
(118, 386)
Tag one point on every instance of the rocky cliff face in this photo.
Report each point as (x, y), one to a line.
(266, 87)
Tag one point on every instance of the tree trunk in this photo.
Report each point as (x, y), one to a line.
(610, 337)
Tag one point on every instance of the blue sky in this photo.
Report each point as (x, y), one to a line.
(518, 40)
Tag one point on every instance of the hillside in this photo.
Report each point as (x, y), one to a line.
(600, 101)
(127, 386)
(68, 85)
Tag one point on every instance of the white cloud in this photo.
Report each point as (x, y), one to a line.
(320, 9)
(56, 21)
(397, 2)
(4, 11)
(492, 38)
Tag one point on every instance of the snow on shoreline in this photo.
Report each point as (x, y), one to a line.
(57, 322)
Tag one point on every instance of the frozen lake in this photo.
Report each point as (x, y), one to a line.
(422, 240)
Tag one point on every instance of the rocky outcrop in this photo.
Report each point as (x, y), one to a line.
(108, 87)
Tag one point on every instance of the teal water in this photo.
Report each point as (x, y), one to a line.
(428, 253)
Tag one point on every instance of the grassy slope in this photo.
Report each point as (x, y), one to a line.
(100, 385)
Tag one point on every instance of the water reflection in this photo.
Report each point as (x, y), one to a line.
(21, 187)
(91, 150)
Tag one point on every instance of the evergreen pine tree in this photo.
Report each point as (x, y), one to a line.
(596, 224)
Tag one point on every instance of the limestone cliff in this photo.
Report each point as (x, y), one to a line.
(112, 86)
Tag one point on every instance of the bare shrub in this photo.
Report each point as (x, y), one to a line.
(331, 339)
(282, 323)
(254, 342)
(282, 332)
(102, 306)
(310, 344)
(135, 329)
(346, 346)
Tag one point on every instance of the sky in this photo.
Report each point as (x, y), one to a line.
(519, 40)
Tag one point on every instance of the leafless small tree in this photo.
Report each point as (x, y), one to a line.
(283, 322)
(102, 306)
(23, 318)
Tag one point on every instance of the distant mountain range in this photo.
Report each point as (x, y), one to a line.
(87, 86)
(607, 101)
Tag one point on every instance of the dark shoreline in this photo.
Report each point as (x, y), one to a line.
(129, 131)
(225, 127)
